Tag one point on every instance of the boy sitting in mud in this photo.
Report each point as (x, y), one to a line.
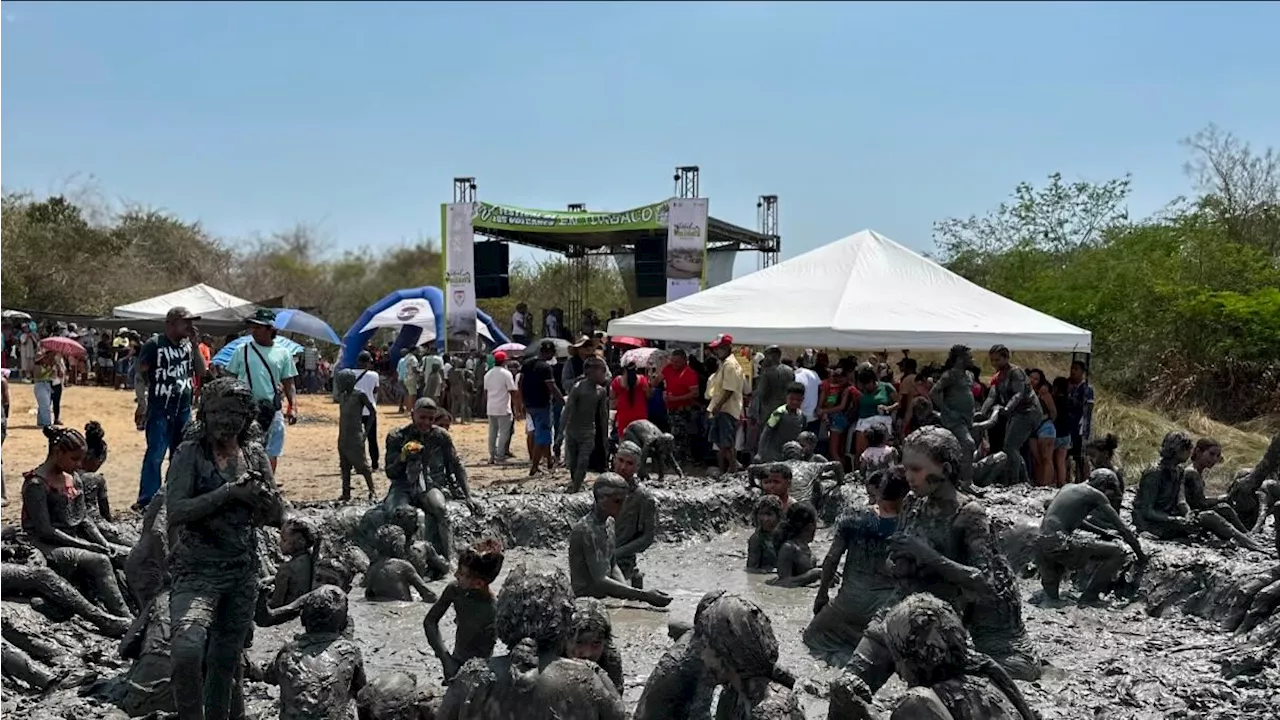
(762, 546)
(473, 603)
(593, 571)
(592, 638)
(320, 671)
(299, 542)
(391, 577)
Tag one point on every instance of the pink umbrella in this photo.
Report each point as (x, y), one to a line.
(643, 357)
(63, 345)
(629, 341)
(510, 348)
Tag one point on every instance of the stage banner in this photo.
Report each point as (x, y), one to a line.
(459, 274)
(686, 246)
(513, 219)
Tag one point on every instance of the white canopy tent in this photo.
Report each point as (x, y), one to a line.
(864, 291)
(201, 300)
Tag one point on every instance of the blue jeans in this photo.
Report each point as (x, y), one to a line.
(44, 403)
(164, 432)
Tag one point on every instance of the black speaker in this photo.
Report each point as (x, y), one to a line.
(651, 267)
(492, 262)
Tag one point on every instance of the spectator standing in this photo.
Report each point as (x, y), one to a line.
(500, 396)
(520, 320)
(681, 397)
(269, 371)
(811, 382)
(1080, 414)
(630, 395)
(167, 367)
(725, 391)
(28, 348)
(367, 382)
(537, 388)
(310, 370)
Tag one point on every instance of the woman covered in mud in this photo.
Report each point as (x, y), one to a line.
(1012, 397)
(943, 545)
(762, 546)
(55, 517)
(862, 539)
(1205, 455)
(534, 681)
(741, 653)
(795, 558)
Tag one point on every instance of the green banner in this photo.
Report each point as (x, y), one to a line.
(505, 217)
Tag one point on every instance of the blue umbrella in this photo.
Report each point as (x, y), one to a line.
(296, 321)
(224, 355)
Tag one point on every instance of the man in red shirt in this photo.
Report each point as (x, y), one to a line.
(681, 398)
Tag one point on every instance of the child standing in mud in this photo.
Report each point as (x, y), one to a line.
(352, 456)
(472, 600)
(391, 577)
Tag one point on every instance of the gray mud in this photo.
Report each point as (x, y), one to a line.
(1164, 657)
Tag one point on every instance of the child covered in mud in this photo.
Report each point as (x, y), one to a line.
(320, 671)
(795, 558)
(591, 638)
(299, 542)
(391, 577)
(783, 425)
(473, 603)
(351, 432)
(593, 569)
(762, 546)
(740, 653)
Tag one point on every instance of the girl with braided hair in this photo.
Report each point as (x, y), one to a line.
(55, 517)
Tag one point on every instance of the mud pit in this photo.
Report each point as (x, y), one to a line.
(1116, 663)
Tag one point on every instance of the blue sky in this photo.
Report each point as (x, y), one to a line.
(355, 117)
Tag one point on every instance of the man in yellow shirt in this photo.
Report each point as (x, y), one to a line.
(725, 390)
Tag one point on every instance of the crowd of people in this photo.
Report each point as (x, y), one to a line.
(925, 591)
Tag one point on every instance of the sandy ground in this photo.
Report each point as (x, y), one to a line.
(308, 470)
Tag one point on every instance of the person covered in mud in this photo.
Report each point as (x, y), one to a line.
(781, 424)
(1159, 507)
(1011, 396)
(637, 524)
(740, 653)
(30, 654)
(796, 567)
(296, 576)
(586, 417)
(534, 681)
(471, 598)
(943, 544)
(97, 501)
(352, 443)
(421, 463)
(1101, 453)
(24, 573)
(657, 448)
(808, 444)
(1264, 600)
(145, 687)
(862, 539)
(1058, 551)
(390, 576)
(593, 568)
(146, 568)
(56, 520)
(952, 397)
(218, 491)
(320, 671)
(995, 622)
(591, 638)
(1207, 453)
(421, 550)
(460, 389)
(945, 680)
(762, 546)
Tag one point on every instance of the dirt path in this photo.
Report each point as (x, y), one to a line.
(308, 470)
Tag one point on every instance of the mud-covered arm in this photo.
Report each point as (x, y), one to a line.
(394, 462)
(648, 528)
(270, 502)
(431, 623)
(358, 677)
(410, 575)
(755, 552)
(1145, 506)
(283, 584)
(1268, 495)
(1193, 491)
(831, 563)
(456, 469)
(35, 505)
(269, 673)
(1019, 391)
(266, 616)
(183, 505)
(1108, 513)
(788, 562)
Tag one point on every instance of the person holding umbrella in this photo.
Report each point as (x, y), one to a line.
(167, 368)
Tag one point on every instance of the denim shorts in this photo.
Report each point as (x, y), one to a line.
(1062, 443)
(540, 419)
(1047, 431)
(723, 431)
(275, 436)
(839, 422)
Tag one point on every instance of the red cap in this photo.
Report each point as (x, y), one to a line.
(499, 357)
(721, 339)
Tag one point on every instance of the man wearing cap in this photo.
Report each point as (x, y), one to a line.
(725, 390)
(167, 367)
(500, 396)
(538, 390)
(269, 371)
(421, 462)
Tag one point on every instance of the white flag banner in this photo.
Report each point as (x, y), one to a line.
(686, 246)
(459, 274)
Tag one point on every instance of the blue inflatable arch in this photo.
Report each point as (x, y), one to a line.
(404, 306)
